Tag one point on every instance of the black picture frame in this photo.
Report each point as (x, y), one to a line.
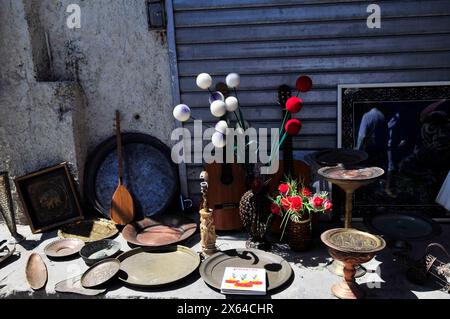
(356, 99)
(49, 198)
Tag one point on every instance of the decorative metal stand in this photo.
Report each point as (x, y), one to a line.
(349, 180)
(352, 248)
(6, 208)
(207, 228)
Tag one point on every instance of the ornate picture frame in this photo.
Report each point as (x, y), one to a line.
(49, 198)
(413, 100)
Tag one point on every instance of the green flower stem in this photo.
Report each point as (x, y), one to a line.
(284, 121)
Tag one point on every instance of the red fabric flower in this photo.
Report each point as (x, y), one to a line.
(305, 192)
(327, 205)
(304, 83)
(286, 203)
(296, 203)
(294, 104)
(283, 188)
(317, 202)
(275, 209)
(293, 126)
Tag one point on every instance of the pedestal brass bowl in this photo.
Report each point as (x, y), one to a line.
(352, 247)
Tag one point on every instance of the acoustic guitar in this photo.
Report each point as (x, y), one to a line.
(227, 184)
(288, 166)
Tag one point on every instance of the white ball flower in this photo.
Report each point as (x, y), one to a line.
(233, 80)
(182, 112)
(232, 103)
(221, 127)
(204, 81)
(216, 96)
(219, 140)
(218, 108)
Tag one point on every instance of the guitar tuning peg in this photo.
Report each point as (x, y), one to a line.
(204, 176)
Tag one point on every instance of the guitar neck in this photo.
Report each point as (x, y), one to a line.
(288, 157)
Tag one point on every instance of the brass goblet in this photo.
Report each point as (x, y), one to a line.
(349, 180)
(351, 247)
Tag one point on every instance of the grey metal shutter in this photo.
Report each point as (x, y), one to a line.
(271, 42)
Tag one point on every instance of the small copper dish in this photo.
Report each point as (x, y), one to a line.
(62, 248)
(353, 248)
(36, 272)
(96, 251)
(100, 273)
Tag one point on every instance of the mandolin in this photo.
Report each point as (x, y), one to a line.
(288, 166)
(227, 184)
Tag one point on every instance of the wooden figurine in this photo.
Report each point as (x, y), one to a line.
(207, 227)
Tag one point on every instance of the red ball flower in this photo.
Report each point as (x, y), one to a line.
(276, 210)
(317, 202)
(293, 126)
(304, 83)
(296, 203)
(294, 104)
(283, 188)
(305, 192)
(327, 205)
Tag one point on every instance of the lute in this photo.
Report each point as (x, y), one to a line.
(227, 184)
(288, 165)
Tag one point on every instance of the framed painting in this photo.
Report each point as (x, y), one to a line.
(49, 198)
(405, 129)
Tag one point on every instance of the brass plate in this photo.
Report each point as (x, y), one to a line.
(100, 273)
(36, 272)
(63, 247)
(278, 270)
(73, 285)
(352, 241)
(161, 231)
(89, 230)
(154, 267)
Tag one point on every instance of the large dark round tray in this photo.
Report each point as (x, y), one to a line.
(278, 270)
(149, 174)
(402, 226)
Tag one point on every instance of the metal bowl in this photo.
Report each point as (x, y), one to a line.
(96, 251)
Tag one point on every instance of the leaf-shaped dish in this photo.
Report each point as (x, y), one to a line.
(36, 272)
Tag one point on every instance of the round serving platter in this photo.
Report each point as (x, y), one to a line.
(149, 174)
(278, 270)
(149, 267)
(161, 231)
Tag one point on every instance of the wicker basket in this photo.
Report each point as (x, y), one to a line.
(299, 235)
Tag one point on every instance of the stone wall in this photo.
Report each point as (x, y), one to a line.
(60, 87)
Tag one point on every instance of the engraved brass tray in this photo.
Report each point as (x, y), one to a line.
(89, 230)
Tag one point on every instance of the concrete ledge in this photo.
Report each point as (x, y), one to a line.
(385, 277)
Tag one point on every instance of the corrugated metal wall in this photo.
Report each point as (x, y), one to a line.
(271, 42)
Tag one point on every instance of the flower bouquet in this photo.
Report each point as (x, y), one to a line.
(297, 205)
